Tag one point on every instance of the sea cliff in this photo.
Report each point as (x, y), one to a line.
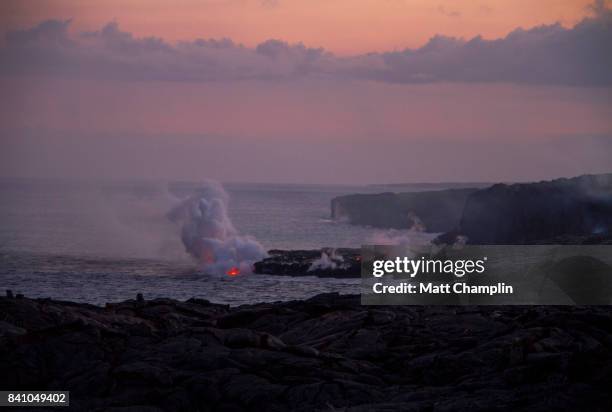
(432, 211)
(522, 213)
(528, 212)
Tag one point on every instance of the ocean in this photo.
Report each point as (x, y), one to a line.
(107, 241)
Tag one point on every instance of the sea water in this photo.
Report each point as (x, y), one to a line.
(107, 241)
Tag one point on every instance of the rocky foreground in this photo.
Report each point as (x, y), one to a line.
(326, 353)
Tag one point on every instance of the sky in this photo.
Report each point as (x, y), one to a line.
(319, 91)
(341, 26)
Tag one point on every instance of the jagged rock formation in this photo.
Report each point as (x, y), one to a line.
(433, 211)
(324, 263)
(524, 213)
(325, 353)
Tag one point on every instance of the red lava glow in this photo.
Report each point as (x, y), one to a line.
(233, 271)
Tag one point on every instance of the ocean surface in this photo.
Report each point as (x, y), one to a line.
(106, 242)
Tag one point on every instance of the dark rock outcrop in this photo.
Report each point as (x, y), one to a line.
(325, 353)
(523, 213)
(527, 213)
(432, 211)
(324, 263)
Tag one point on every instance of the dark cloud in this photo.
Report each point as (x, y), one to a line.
(550, 54)
(50, 32)
(112, 53)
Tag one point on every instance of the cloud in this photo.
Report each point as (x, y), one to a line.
(598, 7)
(111, 53)
(549, 54)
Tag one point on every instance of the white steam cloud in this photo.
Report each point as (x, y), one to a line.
(209, 235)
(331, 260)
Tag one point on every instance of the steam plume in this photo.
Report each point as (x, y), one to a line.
(209, 235)
(328, 260)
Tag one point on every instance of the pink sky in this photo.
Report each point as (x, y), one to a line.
(533, 104)
(342, 26)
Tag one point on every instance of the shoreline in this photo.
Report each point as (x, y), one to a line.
(320, 353)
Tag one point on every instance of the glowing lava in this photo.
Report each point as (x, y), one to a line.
(233, 271)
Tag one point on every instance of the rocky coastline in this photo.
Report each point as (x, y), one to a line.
(323, 263)
(431, 210)
(522, 213)
(326, 353)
